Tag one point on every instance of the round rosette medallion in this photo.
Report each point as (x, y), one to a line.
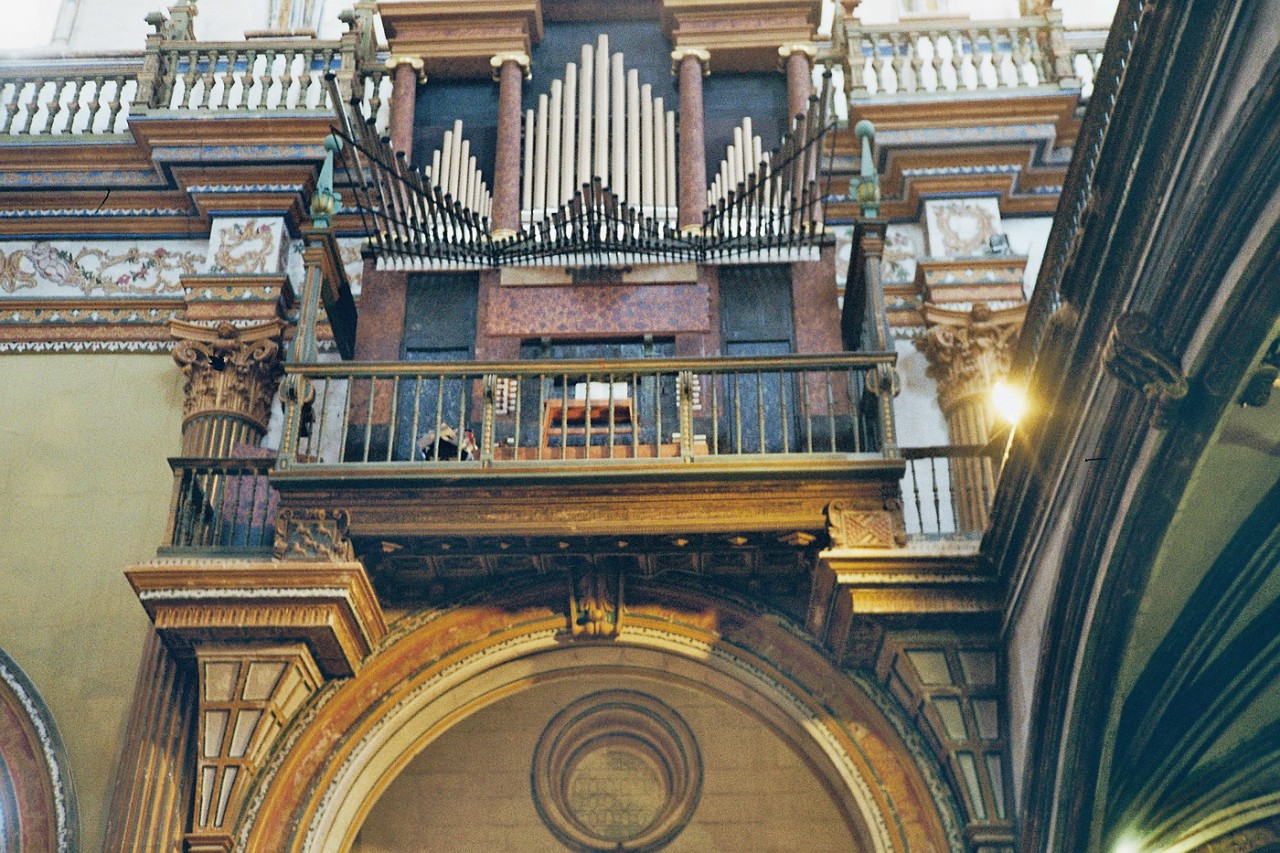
(616, 770)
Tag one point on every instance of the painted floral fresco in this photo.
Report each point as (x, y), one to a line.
(106, 269)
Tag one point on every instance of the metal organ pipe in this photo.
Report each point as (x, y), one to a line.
(586, 91)
(671, 159)
(599, 123)
(618, 129)
(569, 161)
(633, 138)
(555, 119)
(602, 110)
(527, 183)
(540, 159)
(646, 148)
(659, 155)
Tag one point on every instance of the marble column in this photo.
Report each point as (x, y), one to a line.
(968, 352)
(690, 65)
(797, 59)
(406, 73)
(509, 69)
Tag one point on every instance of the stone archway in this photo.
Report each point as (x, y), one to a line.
(437, 669)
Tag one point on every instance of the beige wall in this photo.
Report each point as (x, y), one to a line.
(470, 788)
(84, 492)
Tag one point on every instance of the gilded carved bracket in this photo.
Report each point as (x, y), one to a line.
(313, 534)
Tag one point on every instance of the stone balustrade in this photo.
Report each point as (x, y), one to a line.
(66, 97)
(943, 58)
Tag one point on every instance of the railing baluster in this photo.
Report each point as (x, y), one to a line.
(368, 427)
(346, 417)
(417, 405)
(392, 418)
(831, 413)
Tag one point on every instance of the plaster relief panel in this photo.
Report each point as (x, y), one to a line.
(253, 245)
(903, 246)
(960, 227)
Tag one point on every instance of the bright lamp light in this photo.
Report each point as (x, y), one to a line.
(1009, 400)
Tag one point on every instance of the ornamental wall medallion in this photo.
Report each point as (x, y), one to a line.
(616, 770)
(960, 228)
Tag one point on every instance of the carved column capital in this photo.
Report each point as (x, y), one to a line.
(969, 352)
(231, 371)
(809, 50)
(415, 62)
(519, 57)
(680, 54)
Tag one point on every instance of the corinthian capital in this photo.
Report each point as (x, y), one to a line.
(969, 351)
(231, 370)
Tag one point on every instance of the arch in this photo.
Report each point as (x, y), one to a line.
(37, 809)
(439, 667)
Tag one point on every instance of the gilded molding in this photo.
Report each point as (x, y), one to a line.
(330, 606)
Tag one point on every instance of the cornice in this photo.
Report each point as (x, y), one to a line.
(330, 606)
(741, 35)
(457, 38)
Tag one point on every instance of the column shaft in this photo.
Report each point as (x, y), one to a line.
(404, 97)
(799, 82)
(693, 162)
(506, 171)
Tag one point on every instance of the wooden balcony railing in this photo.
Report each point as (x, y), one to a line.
(948, 489)
(938, 59)
(223, 504)
(533, 413)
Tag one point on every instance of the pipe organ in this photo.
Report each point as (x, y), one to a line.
(598, 185)
(453, 171)
(599, 124)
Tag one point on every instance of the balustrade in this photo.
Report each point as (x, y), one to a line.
(67, 97)
(514, 413)
(936, 58)
(222, 503)
(938, 489)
